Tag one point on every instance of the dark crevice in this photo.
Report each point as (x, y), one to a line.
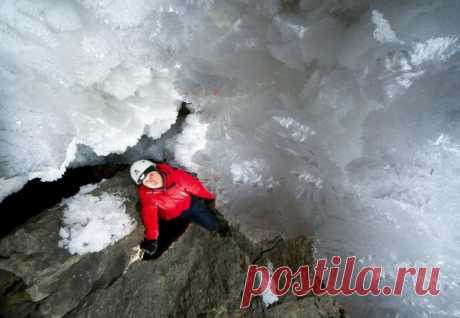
(13, 297)
(261, 253)
(170, 231)
(14, 287)
(37, 195)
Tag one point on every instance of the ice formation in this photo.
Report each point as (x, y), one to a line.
(78, 72)
(191, 141)
(383, 32)
(338, 118)
(93, 222)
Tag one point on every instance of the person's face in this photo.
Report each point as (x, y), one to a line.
(153, 180)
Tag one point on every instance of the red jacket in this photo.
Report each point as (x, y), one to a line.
(171, 200)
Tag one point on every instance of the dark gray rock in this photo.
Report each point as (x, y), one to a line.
(199, 275)
(54, 280)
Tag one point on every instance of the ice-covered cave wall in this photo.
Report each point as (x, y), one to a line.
(78, 72)
(338, 118)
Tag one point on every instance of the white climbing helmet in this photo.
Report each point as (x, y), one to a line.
(138, 170)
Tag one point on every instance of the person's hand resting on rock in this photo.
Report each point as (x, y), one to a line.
(149, 247)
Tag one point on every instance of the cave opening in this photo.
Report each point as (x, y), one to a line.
(36, 196)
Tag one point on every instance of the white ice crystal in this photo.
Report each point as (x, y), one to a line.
(444, 142)
(190, 141)
(435, 49)
(383, 31)
(93, 222)
(247, 172)
(307, 177)
(71, 75)
(299, 132)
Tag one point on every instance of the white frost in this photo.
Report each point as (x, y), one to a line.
(93, 222)
(445, 143)
(383, 32)
(123, 82)
(435, 49)
(190, 141)
(307, 177)
(247, 172)
(299, 132)
(63, 17)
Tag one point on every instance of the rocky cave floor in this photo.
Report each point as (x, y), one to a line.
(198, 274)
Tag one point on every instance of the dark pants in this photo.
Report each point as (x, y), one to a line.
(199, 213)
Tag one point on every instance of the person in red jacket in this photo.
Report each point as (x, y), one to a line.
(167, 192)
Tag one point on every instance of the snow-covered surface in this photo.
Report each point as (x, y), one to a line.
(11, 185)
(93, 222)
(337, 117)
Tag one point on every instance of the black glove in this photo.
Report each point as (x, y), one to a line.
(149, 246)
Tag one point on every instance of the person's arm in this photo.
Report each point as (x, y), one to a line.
(149, 214)
(193, 185)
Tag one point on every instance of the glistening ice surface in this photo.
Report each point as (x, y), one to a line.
(338, 118)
